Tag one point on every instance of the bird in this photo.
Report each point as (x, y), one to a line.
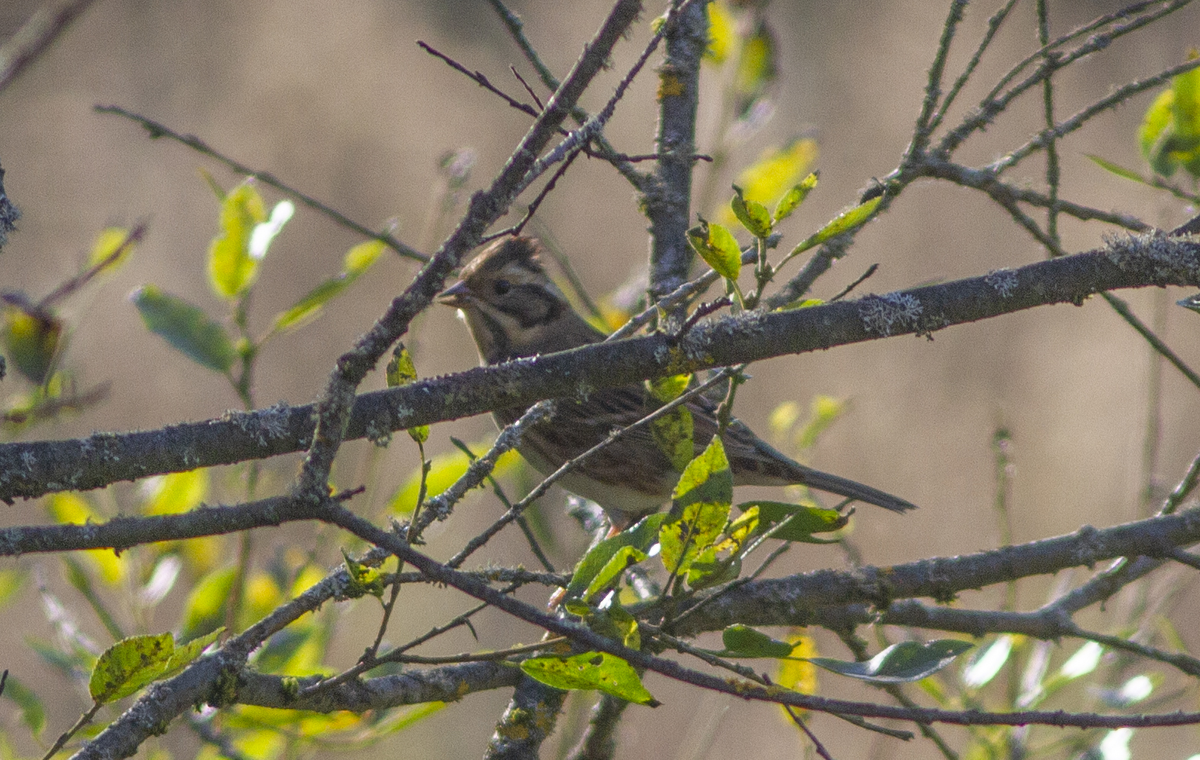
(513, 310)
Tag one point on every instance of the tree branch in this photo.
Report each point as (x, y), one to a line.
(33, 469)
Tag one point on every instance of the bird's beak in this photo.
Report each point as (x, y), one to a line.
(457, 295)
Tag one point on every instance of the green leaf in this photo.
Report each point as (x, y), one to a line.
(752, 214)
(707, 569)
(33, 712)
(744, 641)
(204, 611)
(32, 338)
(717, 246)
(848, 220)
(591, 670)
(673, 431)
(794, 197)
(128, 665)
(231, 268)
(900, 663)
(613, 622)
(639, 537)
(624, 558)
(626, 625)
(804, 522)
(186, 327)
(358, 260)
(401, 371)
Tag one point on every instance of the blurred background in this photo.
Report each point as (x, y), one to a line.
(338, 100)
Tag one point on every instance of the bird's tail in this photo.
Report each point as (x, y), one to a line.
(823, 481)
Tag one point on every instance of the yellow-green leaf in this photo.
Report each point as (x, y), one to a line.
(823, 412)
(401, 371)
(591, 670)
(794, 197)
(717, 246)
(803, 521)
(673, 433)
(777, 170)
(111, 248)
(360, 258)
(666, 389)
(706, 478)
(176, 492)
(357, 260)
(757, 67)
(128, 665)
(231, 268)
(12, 580)
(1169, 135)
(752, 214)
(796, 673)
(848, 220)
(364, 579)
(68, 508)
(444, 470)
(32, 339)
(721, 32)
(184, 654)
(702, 499)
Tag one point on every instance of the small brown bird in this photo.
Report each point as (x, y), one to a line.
(513, 309)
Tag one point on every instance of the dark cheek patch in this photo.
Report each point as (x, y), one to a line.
(531, 306)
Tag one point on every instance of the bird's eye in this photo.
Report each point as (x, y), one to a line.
(501, 287)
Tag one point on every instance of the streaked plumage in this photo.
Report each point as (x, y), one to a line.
(513, 309)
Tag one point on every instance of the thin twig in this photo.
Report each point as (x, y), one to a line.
(158, 129)
(35, 36)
